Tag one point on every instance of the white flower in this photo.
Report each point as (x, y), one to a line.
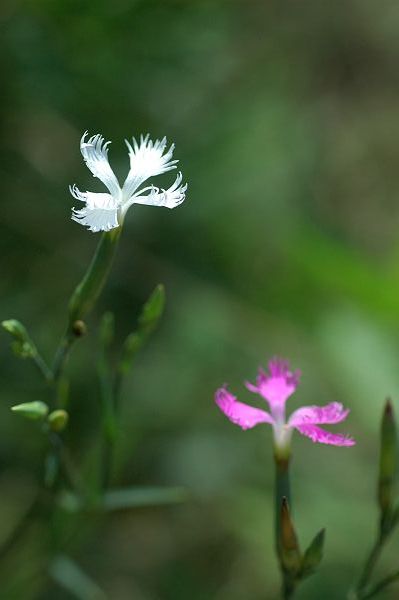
(102, 212)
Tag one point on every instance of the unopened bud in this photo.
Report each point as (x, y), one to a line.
(22, 345)
(289, 547)
(31, 410)
(79, 328)
(58, 420)
(388, 462)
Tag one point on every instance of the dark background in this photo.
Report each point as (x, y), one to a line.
(285, 117)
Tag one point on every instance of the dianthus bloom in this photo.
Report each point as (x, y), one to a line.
(105, 211)
(276, 387)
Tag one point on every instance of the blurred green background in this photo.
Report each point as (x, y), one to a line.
(285, 117)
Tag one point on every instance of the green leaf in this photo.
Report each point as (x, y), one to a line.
(313, 554)
(32, 410)
(71, 577)
(136, 497)
(147, 322)
(23, 346)
(152, 310)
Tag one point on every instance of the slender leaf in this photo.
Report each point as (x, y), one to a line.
(135, 497)
(313, 554)
(71, 577)
(147, 322)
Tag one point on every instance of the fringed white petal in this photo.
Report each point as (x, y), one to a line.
(100, 212)
(147, 159)
(95, 155)
(170, 198)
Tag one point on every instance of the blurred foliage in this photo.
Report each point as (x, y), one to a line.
(285, 117)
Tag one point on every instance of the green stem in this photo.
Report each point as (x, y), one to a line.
(81, 302)
(369, 564)
(381, 585)
(62, 354)
(108, 418)
(88, 290)
(86, 294)
(42, 367)
(72, 474)
(288, 588)
(282, 490)
(117, 387)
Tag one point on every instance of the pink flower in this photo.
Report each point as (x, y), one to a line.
(276, 387)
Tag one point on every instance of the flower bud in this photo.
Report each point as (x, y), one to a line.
(79, 328)
(58, 420)
(32, 410)
(388, 462)
(23, 345)
(291, 559)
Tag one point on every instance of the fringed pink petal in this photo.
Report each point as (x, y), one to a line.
(277, 386)
(317, 434)
(239, 413)
(318, 415)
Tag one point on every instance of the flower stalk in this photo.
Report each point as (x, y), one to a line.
(88, 290)
(285, 538)
(282, 491)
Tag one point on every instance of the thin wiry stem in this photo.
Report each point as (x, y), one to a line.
(70, 472)
(381, 585)
(109, 418)
(369, 564)
(62, 354)
(42, 367)
(282, 490)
